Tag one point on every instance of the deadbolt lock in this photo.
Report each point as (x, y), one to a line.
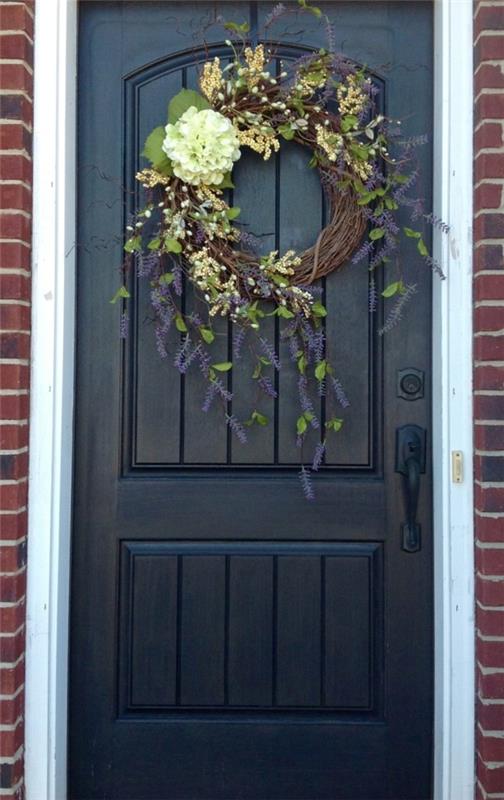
(410, 383)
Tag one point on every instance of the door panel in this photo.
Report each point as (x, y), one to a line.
(229, 639)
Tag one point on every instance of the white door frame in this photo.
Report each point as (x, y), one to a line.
(52, 402)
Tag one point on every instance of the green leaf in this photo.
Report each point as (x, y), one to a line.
(422, 248)
(233, 212)
(284, 312)
(167, 278)
(233, 26)
(260, 418)
(377, 233)
(392, 289)
(321, 370)
(301, 364)
(223, 366)
(226, 182)
(121, 293)
(180, 324)
(366, 198)
(257, 372)
(318, 309)
(134, 244)
(391, 204)
(313, 9)
(154, 244)
(411, 234)
(348, 122)
(264, 361)
(207, 335)
(185, 99)
(154, 152)
(401, 178)
(173, 246)
(301, 425)
(334, 424)
(286, 131)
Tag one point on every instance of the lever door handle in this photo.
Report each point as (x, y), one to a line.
(410, 462)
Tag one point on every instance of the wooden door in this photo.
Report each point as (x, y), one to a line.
(229, 638)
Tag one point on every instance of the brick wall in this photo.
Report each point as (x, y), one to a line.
(489, 391)
(16, 80)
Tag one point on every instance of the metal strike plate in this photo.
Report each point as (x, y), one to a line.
(457, 466)
(410, 383)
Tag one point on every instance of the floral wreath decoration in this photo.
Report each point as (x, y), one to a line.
(326, 104)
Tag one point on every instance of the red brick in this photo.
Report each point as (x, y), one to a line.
(12, 588)
(13, 496)
(489, 76)
(12, 617)
(488, 18)
(16, 106)
(488, 48)
(491, 500)
(16, 18)
(488, 256)
(14, 255)
(15, 195)
(15, 168)
(15, 137)
(490, 748)
(489, 348)
(11, 741)
(14, 376)
(13, 466)
(14, 406)
(13, 437)
(490, 623)
(12, 647)
(16, 76)
(15, 226)
(14, 345)
(488, 195)
(489, 318)
(486, 287)
(11, 708)
(489, 529)
(490, 106)
(490, 561)
(14, 317)
(490, 593)
(489, 165)
(491, 778)
(13, 556)
(17, 46)
(13, 527)
(490, 654)
(490, 717)
(11, 678)
(487, 377)
(489, 407)
(478, 793)
(491, 686)
(489, 226)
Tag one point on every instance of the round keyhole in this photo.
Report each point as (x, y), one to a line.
(411, 384)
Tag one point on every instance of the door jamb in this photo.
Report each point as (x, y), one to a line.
(52, 387)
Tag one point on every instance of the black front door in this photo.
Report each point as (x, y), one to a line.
(229, 638)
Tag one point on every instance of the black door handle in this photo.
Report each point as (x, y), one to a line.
(410, 462)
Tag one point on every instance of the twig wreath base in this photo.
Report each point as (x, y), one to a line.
(186, 227)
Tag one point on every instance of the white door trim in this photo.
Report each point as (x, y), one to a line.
(52, 402)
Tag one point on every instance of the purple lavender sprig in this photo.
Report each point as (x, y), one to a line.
(318, 456)
(306, 484)
(395, 314)
(270, 352)
(237, 428)
(267, 386)
(340, 393)
(124, 325)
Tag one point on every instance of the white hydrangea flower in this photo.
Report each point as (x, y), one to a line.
(202, 146)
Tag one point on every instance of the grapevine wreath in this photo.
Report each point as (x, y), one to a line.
(186, 227)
